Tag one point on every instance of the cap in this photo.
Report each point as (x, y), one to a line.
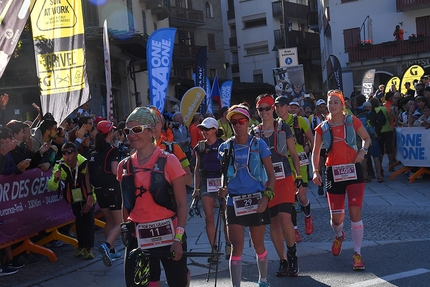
(282, 100)
(105, 126)
(209, 123)
(367, 104)
(98, 119)
(295, 103)
(239, 110)
(321, 102)
(143, 116)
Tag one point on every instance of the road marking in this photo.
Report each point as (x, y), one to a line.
(390, 277)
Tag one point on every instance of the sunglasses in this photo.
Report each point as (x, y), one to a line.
(136, 129)
(67, 151)
(241, 121)
(205, 129)
(268, 108)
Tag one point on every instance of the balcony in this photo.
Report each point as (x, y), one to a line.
(408, 5)
(151, 4)
(186, 52)
(313, 21)
(183, 17)
(235, 68)
(232, 42)
(299, 39)
(389, 49)
(292, 10)
(161, 11)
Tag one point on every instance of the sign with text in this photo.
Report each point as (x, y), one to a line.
(288, 57)
(413, 146)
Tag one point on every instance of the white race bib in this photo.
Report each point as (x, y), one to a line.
(303, 158)
(246, 204)
(213, 184)
(344, 172)
(155, 234)
(278, 167)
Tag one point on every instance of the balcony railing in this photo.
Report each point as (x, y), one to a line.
(186, 51)
(389, 49)
(292, 10)
(313, 21)
(186, 17)
(299, 39)
(150, 4)
(405, 5)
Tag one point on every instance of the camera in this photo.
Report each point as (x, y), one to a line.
(175, 125)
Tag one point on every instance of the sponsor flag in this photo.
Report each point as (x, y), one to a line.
(13, 16)
(367, 83)
(226, 88)
(337, 71)
(201, 60)
(392, 82)
(108, 75)
(190, 103)
(414, 72)
(215, 93)
(413, 146)
(159, 53)
(209, 103)
(59, 45)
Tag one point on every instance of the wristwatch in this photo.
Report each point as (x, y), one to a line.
(365, 150)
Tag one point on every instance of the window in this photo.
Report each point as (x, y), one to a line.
(423, 25)
(256, 20)
(256, 48)
(257, 78)
(145, 28)
(208, 10)
(351, 37)
(130, 15)
(211, 42)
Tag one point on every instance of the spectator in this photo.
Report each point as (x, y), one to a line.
(195, 133)
(254, 118)
(81, 136)
(181, 134)
(58, 142)
(398, 33)
(3, 102)
(409, 92)
(9, 166)
(380, 93)
(78, 193)
(225, 124)
(6, 144)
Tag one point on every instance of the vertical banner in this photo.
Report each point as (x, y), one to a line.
(393, 82)
(108, 74)
(13, 16)
(215, 93)
(337, 72)
(226, 89)
(414, 72)
(59, 45)
(201, 61)
(159, 53)
(367, 83)
(190, 103)
(209, 103)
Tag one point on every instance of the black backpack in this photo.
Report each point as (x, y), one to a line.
(377, 120)
(97, 168)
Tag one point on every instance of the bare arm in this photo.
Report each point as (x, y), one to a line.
(196, 192)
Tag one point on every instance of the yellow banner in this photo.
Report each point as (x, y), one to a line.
(414, 72)
(394, 81)
(190, 103)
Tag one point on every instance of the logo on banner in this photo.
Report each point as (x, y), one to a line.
(56, 14)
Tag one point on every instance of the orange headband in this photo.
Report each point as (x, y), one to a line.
(339, 95)
(266, 100)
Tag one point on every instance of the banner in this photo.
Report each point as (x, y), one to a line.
(226, 89)
(215, 93)
(201, 73)
(108, 74)
(337, 72)
(367, 83)
(59, 45)
(413, 146)
(394, 81)
(414, 72)
(290, 82)
(28, 207)
(190, 103)
(13, 17)
(209, 104)
(159, 53)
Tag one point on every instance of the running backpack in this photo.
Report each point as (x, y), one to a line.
(98, 171)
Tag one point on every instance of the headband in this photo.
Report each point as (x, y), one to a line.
(339, 95)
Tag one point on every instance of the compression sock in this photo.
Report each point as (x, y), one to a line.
(337, 229)
(357, 232)
(262, 264)
(307, 208)
(235, 270)
(294, 217)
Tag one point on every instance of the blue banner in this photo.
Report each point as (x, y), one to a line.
(226, 93)
(209, 108)
(159, 53)
(215, 93)
(200, 81)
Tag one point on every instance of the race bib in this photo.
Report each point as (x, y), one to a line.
(213, 184)
(246, 204)
(303, 158)
(155, 234)
(344, 172)
(278, 167)
(77, 195)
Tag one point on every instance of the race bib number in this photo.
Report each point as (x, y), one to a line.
(303, 158)
(213, 184)
(344, 172)
(278, 167)
(246, 204)
(155, 234)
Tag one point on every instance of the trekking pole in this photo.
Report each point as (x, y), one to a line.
(217, 226)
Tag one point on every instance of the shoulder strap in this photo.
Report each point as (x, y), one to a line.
(106, 157)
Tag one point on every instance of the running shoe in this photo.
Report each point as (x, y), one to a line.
(54, 243)
(283, 268)
(309, 226)
(357, 262)
(17, 262)
(105, 253)
(115, 256)
(298, 238)
(80, 252)
(293, 267)
(5, 270)
(263, 284)
(227, 251)
(88, 254)
(336, 248)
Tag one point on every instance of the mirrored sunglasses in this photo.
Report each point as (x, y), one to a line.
(239, 121)
(268, 108)
(136, 129)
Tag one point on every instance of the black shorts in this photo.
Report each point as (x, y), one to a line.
(340, 187)
(282, 207)
(109, 198)
(255, 219)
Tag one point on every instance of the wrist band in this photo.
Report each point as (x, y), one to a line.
(179, 230)
(269, 193)
(316, 170)
(178, 237)
(298, 177)
(196, 189)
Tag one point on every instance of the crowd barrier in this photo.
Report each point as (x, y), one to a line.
(27, 208)
(413, 150)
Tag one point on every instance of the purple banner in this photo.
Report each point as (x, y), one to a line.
(28, 207)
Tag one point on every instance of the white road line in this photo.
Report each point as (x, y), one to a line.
(390, 278)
